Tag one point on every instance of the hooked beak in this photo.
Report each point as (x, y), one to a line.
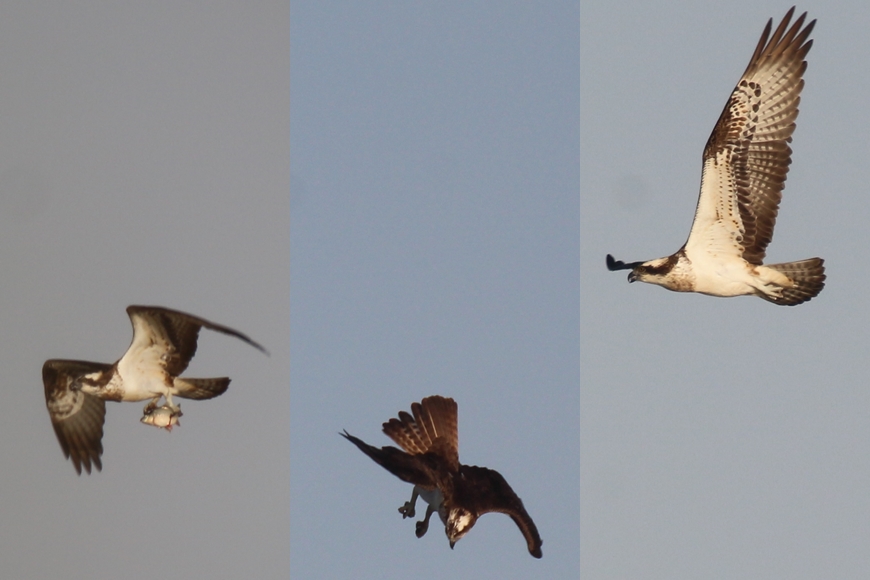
(632, 277)
(452, 543)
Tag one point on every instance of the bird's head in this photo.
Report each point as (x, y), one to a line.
(652, 271)
(459, 521)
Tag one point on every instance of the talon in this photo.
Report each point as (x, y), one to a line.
(422, 528)
(407, 510)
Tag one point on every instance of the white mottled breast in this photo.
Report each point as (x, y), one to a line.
(721, 274)
(141, 380)
(141, 368)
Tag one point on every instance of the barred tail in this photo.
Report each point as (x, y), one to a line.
(433, 417)
(808, 277)
(200, 388)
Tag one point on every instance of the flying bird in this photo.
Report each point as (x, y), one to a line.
(745, 164)
(430, 460)
(164, 341)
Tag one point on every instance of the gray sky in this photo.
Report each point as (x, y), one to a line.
(720, 438)
(143, 160)
(434, 244)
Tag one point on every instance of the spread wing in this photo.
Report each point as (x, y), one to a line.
(168, 337)
(747, 156)
(416, 469)
(433, 427)
(488, 491)
(77, 417)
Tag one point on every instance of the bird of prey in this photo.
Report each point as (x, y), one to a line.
(163, 343)
(745, 164)
(430, 460)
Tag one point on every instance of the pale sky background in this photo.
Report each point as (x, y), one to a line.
(435, 235)
(144, 160)
(720, 438)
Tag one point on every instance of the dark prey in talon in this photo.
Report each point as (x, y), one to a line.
(163, 343)
(745, 164)
(429, 459)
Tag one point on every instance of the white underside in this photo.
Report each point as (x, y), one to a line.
(728, 275)
(137, 380)
(144, 388)
(715, 245)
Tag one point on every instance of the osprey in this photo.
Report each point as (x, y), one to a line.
(746, 160)
(164, 341)
(430, 460)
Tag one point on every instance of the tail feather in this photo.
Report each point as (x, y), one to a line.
(201, 388)
(808, 277)
(433, 417)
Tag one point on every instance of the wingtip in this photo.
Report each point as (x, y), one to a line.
(261, 348)
(614, 265)
(93, 464)
(356, 441)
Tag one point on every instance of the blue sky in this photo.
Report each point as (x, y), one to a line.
(720, 438)
(434, 246)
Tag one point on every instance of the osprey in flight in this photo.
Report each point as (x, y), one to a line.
(430, 460)
(164, 341)
(745, 164)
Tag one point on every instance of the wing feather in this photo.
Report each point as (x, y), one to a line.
(747, 156)
(491, 493)
(77, 417)
(415, 469)
(173, 334)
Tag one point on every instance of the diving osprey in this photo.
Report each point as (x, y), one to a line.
(459, 493)
(745, 164)
(164, 341)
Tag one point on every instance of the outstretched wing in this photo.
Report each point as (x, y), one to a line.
(168, 337)
(747, 156)
(415, 469)
(435, 419)
(77, 417)
(487, 491)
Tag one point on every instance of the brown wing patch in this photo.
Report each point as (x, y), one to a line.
(415, 469)
(490, 492)
(77, 418)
